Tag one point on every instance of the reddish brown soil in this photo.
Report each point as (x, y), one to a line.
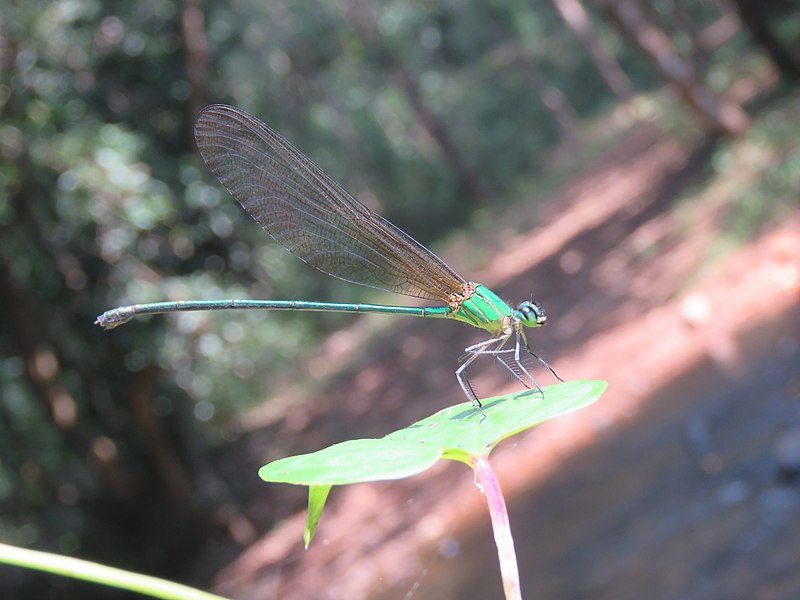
(683, 481)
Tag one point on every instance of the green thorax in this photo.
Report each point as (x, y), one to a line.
(484, 309)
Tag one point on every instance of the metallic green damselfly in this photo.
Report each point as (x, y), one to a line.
(317, 220)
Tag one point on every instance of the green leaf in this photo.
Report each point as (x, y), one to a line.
(459, 432)
(456, 433)
(317, 495)
(462, 432)
(355, 461)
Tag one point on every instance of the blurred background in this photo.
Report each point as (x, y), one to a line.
(633, 166)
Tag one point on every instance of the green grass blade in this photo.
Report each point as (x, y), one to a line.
(90, 571)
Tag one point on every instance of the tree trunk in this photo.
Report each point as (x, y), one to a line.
(718, 114)
(363, 20)
(194, 37)
(679, 22)
(578, 21)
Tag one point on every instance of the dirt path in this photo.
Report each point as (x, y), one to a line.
(667, 488)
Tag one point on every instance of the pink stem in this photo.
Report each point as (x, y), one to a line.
(487, 482)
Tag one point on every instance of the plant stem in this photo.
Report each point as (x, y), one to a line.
(89, 571)
(487, 481)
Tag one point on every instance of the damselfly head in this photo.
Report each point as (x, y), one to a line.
(530, 314)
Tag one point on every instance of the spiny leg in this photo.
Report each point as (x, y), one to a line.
(518, 360)
(510, 363)
(536, 356)
(513, 364)
(516, 368)
(470, 354)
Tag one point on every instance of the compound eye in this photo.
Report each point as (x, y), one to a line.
(531, 314)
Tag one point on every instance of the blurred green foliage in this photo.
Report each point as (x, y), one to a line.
(773, 147)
